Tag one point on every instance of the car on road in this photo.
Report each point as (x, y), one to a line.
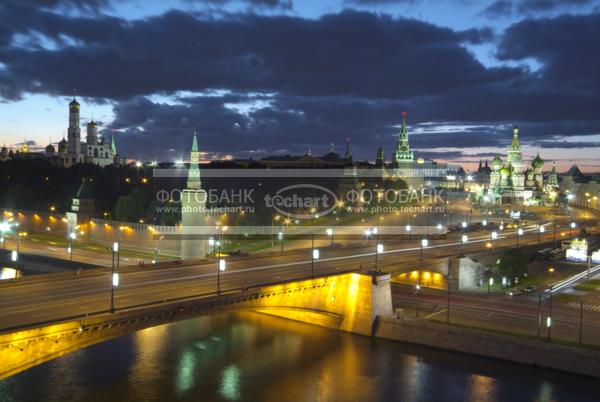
(530, 289)
(513, 292)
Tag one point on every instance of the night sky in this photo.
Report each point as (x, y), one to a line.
(263, 77)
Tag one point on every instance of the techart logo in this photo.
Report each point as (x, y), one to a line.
(302, 201)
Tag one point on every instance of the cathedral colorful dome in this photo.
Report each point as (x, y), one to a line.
(496, 163)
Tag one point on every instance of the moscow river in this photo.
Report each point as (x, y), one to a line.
(254, 357)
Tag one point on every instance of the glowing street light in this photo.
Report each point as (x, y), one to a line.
(72, 237)
(519, 234)
(329, 232)
(464, 239)
(484, 222)
(221, 267)
(418, 291)
(541, 230)
(494, 235)
(424, 244)
(464, 224)
(378, 250)
(115, 275)
(439, 226)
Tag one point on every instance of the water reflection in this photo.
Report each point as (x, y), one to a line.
(253, 357)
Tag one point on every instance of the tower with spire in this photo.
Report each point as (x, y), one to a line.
(193, 209)
(73, 135)
(403, 153)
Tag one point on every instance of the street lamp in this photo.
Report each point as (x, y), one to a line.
(490, 284)
(378, 250)
(72, 237)
(464, 239)
(549, 318)
(314, 255)
(115, 275)
(329, 232)
(275, 219)
(540, 231)
(4, 227)
(280, 238)
(220, 268)
(424, 244)
(439, 226)
(573, 226)
(484, 222)
(418, 288)
(519, 234)
(464, 224)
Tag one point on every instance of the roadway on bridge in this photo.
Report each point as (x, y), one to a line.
(28, 303)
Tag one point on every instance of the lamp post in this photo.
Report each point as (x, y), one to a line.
(418, 289)
(115, 275)
(329, 232)
(424, 244)
(519, 234)
(541, 230)
(549, 318)
(378, 249)
(275, 219)
(155, 259)
(490, 283)
(464, 239)
(572, 225)
(72, 237)
(280, 238)
(222, 265)
(4, 227)
(314, 255)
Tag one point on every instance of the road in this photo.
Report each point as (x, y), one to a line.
(37, 301)
(524, 315)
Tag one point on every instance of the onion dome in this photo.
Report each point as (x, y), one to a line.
(505, 171)
(496, 163)
(537, 161)
(74, 104)
(62, 146)
(92, 124)
(50, 149)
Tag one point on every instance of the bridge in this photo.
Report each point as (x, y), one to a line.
(348, 302)
(48, 316)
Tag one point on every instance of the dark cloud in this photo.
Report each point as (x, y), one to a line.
(282, 4)
(505, 8)
(379, 2)
(564, 46)
(499, 8)
(351, 53)
(548, 5)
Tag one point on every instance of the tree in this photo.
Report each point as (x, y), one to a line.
(512, 264)
(130, 208)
